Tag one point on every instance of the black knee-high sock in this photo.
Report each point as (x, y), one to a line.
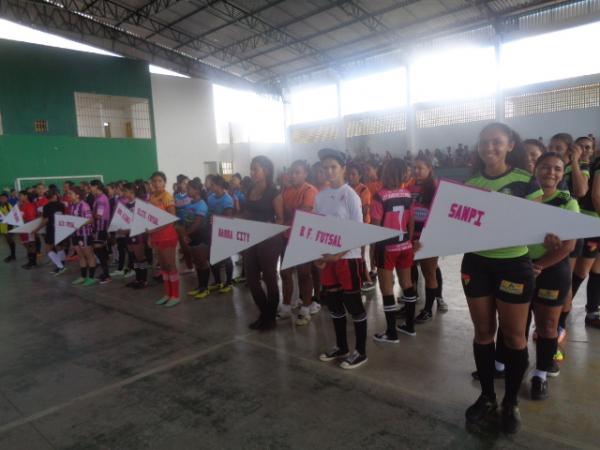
(202, 275)
(149, 254)
(360, 330)
(484, 361)
(440, 281)
(389, 309)
(84, 272)
(216, 271)
(576, 281)
(414, 275)
(137, 272)
(562, 321)
(545, 349)
(229, 270)
(338, 315)
(13, 249)
(516, 365)
(143, 268)
(500, 354)
(430, 295)
(102, 254)
(593, 292)
(130, 260)
(32, 258)
(91, 271)
(353, 303)
(409, 297)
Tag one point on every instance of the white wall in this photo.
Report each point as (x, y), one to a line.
(184, 125)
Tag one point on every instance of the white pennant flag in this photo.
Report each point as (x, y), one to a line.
(231, 236)
(28, 227)
(65, 226)
(314, 235)
(466, 219)
(148, 217)
(14, 217)
(122, 219)
(2, 218)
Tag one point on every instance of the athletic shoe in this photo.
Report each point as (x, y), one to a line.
(314, 308)
(539, 389)
(405, 330)
(334, 353)
(296, 304)
(129, 274)
(28, 266)
(215, 286)
(256, 324)
(79, 280)
(59, 271)
(562, 335)
(117, 273)
(139, 285)
(511, 418)
(9, 258)
(367, 286)
(353, 361)
(303, 319)
(384, 337)
(225, 289)
(424, 316)
(592, 320)
(105, 280)
(187, 271)
(172, 303)
(481, 409)
(498, 374)
(193, 292)
(89, 282)
(442, 306)
(558, 356)
(239, 280)
(267, 325)
(285, 312)
(161, 301)
(202, 294)
(554, 371)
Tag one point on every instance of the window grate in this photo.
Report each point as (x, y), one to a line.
(316, 133)
(40, 126)
(110, 116)
(390, 122)
(553, 100)
(226, 168)
(464, 112)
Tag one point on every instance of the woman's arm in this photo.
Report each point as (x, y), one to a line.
(278, 207)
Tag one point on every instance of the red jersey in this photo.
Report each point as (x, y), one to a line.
(39, 204)
(421, 210)
(29, 213)
(393, 209)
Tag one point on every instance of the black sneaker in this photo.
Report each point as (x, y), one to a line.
(139, 285)
(9, 258)
(28, 266)
(498, 374)
(386, 337)
(105, 280)
(592, 320)
(539, 389)
(256, 324)
(424, 316)
(554, 371)
(353, 361)
(405, 330)
(332, 354)
(481, 409)
(511, 418)
(267, 325)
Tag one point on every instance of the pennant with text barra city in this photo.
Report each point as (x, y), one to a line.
(14, 217)
(65, 226)
(466, 219)
(148, 217)
(122, 219)
(28, 227)
(314, 235)
(231, 236)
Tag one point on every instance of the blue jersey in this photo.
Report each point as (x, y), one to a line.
(193, 210)
(239, 195)
(218, 205)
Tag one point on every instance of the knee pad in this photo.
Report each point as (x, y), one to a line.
(354, 305)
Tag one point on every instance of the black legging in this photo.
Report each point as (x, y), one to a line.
(262, 258)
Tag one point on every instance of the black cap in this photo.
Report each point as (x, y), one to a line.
(333, 153)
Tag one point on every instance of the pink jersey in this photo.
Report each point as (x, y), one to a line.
(421, 210)
(82, 209)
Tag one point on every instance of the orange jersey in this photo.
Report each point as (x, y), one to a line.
(365, 200)
(302, 197)
(374, 186)
(163, 201)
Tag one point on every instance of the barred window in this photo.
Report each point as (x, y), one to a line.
(226, 168)
(464, 112)
(312, 134)
(553, 100)
(365, 125)
(111, 116)
(40, 126)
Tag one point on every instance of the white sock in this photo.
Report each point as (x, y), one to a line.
(285, 308)
(539, 373)
(55, 259)
(304, 311)
(499, 366)
(62, 256)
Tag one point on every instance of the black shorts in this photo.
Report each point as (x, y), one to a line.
(510, 280)
(100, 237)
(82, 241)
(198, 239)
(590, 247)
(578, 250)
(553, 284)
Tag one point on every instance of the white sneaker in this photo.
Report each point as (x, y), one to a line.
(285, 312)
(303, 317)
(117, 273)
(314, 308)
(129, 274)
(296, 303)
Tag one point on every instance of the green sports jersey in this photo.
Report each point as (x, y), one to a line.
(567, 181)
(515, 182)
(586, 204)
(561, 199)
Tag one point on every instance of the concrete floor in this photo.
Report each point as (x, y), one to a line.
(104, 368)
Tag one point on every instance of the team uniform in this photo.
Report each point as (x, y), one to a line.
(83, 235)
(341, 279)
(588, 247)
(4, 230)
(49, 212)
(218, 206)
(166, 237)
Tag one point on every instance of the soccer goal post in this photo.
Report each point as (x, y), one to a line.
(25, 182)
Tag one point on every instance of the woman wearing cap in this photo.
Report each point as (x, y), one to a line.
(341, 273)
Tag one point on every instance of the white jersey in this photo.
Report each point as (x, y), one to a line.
(344, 203)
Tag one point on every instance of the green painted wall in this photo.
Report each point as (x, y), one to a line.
(38, 82)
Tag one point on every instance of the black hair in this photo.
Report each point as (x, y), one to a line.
(515, 158)
(565, 137)
(4, 194)
(69, 183)
(196, 184)
(237, 175)
(359, 167)
(267, 165)
(182, 177)
(246, 185)
(584, 138)
(546, 156)
(537, 143)
(301, 163)
(98, 184)
(393, 173)
(159, 174)
(219, 181)
(427, 186)
(53, 186)
(51, 192)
